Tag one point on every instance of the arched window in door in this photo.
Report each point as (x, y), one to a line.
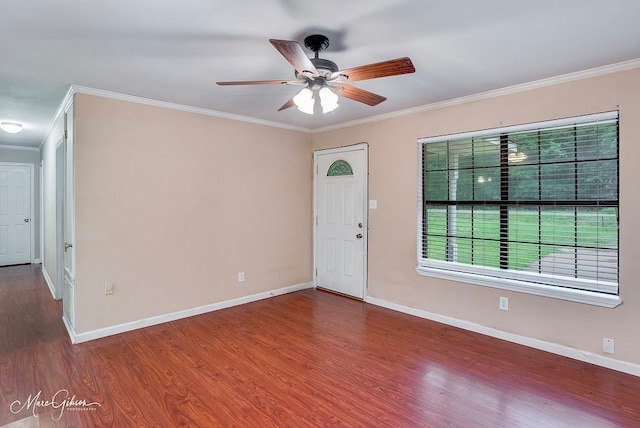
(339, 167)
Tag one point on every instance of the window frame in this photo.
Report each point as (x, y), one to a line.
(447, 270)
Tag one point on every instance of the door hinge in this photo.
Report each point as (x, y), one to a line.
(316, 271)
(316, 169)
(316, 220)
(65, 134)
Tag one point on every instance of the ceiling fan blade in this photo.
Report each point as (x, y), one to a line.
(254, 82)
(286, 105)
(293, 53)
(360, 95)
(392, 67)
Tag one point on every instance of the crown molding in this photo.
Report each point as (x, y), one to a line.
(173, 106)
(579, 75)
(66, 101)
(570, 77)
(9, 147)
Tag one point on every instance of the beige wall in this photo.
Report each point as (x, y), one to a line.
(392, 236)
(171, 205)
(31, 157)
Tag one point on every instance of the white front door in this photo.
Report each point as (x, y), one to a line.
(341, 219)
(15, 214)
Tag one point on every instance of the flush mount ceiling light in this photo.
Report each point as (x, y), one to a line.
(11, 127)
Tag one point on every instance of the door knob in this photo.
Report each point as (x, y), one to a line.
(360, 225)
(26, 220)
(67, 246)
(359, 236)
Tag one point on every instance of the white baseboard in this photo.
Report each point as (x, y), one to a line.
(565, 351)
(47, 279)
(36, 261)
(70, 330)
(147, 322)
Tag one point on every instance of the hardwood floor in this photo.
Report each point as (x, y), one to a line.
(304, 359)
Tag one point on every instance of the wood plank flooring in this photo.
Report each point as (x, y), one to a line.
(304, 359)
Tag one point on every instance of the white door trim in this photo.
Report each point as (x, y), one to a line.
(40, 258)
(365, 230)
(59, 156)
(32, 203)
(68, 229)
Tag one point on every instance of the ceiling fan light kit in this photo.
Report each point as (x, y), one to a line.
(304, 100)
(11, 127)
(324, 80)
(328, 100)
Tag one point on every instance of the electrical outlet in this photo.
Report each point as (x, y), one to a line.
(241, 277)
(608, 345)
(108, 288)
(504, 303)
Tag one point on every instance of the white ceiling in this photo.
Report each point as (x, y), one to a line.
(175, 51)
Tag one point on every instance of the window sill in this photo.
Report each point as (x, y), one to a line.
(580, 296)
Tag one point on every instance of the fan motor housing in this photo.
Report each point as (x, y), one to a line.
(325, 67)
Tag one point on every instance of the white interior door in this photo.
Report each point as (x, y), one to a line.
(341, 219)
(68, 223)
(15, 214)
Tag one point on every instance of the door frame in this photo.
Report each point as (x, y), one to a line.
(59, 240)
(32, 203)
(68, 221)
(365, 207)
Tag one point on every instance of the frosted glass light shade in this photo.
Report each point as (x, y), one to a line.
(328, 100)
(11, 127)
(304, 100)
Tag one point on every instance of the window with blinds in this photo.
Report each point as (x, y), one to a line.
(535, 204)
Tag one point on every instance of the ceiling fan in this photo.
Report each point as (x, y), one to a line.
(322, 79)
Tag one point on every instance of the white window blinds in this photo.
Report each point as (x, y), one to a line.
(536, 203)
